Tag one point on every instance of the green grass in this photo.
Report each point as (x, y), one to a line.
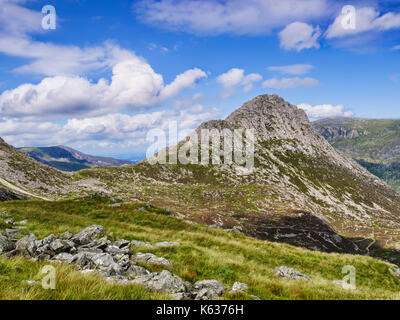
(204, 253)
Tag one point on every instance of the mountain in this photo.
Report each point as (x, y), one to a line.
(68, 159)
(23, 176)
(301, 190)
(374, 143)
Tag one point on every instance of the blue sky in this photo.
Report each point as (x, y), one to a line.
(113, 70)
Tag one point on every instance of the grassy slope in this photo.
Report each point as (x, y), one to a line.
(204, 253)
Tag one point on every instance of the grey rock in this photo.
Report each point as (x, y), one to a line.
(103, 259)
(123, 260)
(164, 281)
(23, 222)
(291, 273)
(116, 250)
(151, 259)
(165, 244)
(239, 287)
(214, 286)
(64, 257)
(66, 235)
(135, 243)
(121, 243)
(49, 239)
(9, 221)
(59, 245)
(135, 271)
(26, 246)
(6, 244)
(83, 260)
(88, 234)
(4, 214)
(206, 294)
(12, 232)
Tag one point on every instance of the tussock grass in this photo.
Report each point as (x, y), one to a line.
(204, 253)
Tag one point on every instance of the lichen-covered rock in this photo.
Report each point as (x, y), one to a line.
(291, 273)
(164, 281)
(64, 257)
(135, 271)
(88, 234)
(136, 243)
(151, 259)
(26, 246)
(209, 289)
(239, 287)
(6, 244)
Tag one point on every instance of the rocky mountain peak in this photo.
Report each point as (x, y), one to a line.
(266, 107)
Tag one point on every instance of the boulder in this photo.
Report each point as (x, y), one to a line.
(121, 243)
(59, 245)
(291, 273)
(116, 250)
(6, 244)
(66, 235)
(64, 257)
(206, 294)
(135, 243)
(151, 259)
(209, 288)
(136, 271)
(83, 260)
(103, 259)
(88, 234)
(239, 287)
(164, 281)
(26, 246)
(9, 221)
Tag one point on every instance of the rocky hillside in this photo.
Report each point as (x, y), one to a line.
(68, 159)
(374, 143)
(141, 252)
(301, 190)
(22, 175)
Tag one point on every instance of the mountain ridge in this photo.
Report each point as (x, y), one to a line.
(301, 190)
(374, 143)
(68, 159)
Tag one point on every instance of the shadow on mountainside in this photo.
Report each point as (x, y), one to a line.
(308, 231)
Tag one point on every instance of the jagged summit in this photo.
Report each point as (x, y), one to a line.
(295, 169)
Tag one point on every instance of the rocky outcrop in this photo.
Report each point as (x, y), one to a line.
(115, 261)
(7, 195)
(291, 273)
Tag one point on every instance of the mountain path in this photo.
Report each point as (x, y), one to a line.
(19, 190)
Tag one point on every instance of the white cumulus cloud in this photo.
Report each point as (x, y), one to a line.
(236, 77)
(298, 36)
(325, 111)
(134, 84)
(366, 19)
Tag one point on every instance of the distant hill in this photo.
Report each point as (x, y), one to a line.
(374, 143)
(68, 159)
